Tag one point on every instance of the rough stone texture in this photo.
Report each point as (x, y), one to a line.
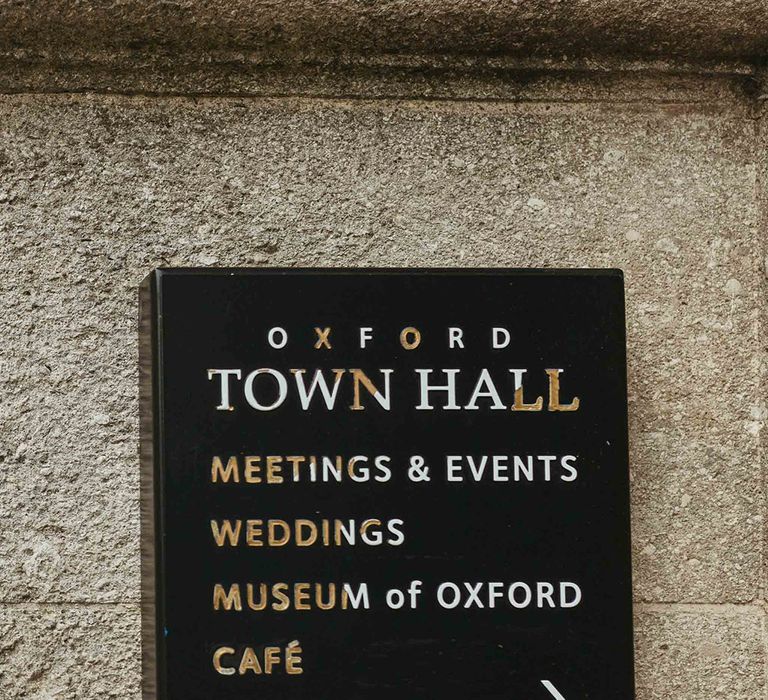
(762, 195)
(664, 182)
(52, 653)
(702, 28)
(700, 654)
(98, 191)
(230, 74)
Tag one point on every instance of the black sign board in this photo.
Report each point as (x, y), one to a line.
(370, 484)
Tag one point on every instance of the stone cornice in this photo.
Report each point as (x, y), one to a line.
(726, 30)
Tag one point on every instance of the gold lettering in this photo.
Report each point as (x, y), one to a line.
(340, 530)
(273, 539)
(305, 540)
(223, 670)
(274, 469)
(283, 596)
(262, 597)
(325, 526)
(322, 338)
(296, 463)
(410, 338)
(554, 393)
(222, 599)
(293, 658)
(254, 533)
(331, 596)
(301, 596)
(249, 662)
(359, 377)
(271, 658)
(252, 470)
(520, 404)
(226, 532)
(219, 472)
(283, 602)
(368, 523)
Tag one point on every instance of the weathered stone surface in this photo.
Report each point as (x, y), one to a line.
(700, 654)
(95, 192)
(223, 73)
(52, 652)
(734, 28)
(689, 510)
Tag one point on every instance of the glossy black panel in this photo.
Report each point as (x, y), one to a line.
(537, 530)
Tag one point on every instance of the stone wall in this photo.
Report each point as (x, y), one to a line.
(123, 148)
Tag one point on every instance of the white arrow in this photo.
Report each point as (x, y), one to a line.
(553, 691)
